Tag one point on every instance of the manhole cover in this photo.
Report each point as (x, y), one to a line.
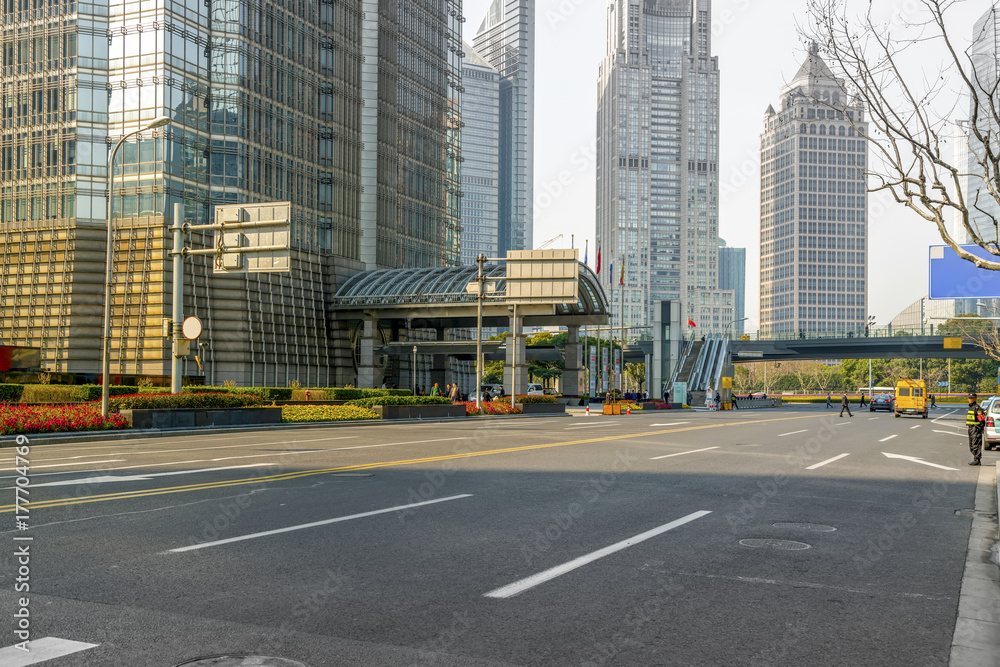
(780, 545)
(241, 661)
(814, 527)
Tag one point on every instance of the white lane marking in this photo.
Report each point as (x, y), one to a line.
(517, 587)
(249, 456)
(40, 650)
(693, 451)
(574, 428)
(325, 522)
(871, 418)
(80, 463)
(949, 433)
(782, 435)
(823, 463)
(843, 424)
(914, 459)
(671, 424)
(104, 479)
(889, 438)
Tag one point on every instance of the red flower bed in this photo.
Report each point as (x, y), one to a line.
(491, 408)
(16, 419)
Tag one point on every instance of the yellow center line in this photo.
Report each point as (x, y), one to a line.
(123, 495)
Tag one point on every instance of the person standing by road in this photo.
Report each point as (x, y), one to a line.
(829, 401)
(845, 405)
(454, 394)
(975, 421)
(435, 390)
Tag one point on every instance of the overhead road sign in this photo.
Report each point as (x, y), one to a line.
(542, 276)
(954, 343)
(951, 277)
(253, 238)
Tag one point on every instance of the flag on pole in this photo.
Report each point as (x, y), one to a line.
(598, 259)
(586, 247)
(621, 279)
(611, 270)
(691, 323)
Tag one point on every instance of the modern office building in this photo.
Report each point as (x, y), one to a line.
(813, 208)
(480, 157)
(348, 110)
(506, 40)
(733, 276)
(658, 161)
(985, 57)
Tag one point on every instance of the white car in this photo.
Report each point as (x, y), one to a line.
(991, 434)
(535, 389)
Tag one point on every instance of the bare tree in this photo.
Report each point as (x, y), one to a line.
(823, 376)
(911, 115)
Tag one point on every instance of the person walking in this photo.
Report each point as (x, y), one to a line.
(435, 390)
(718, 401)
(845, 405)
(829, 401)
(862, 403)
(933, 401)
(454, 394)
(736, 405)
(975, 421)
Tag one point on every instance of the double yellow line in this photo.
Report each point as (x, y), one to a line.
(124, 495)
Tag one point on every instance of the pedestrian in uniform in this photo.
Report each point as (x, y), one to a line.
(975, 421)
(844, 405)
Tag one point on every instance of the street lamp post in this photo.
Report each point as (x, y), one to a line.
(481, 259)
(108, 262)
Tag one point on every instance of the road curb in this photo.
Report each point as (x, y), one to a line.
(104, 436)
(976, 640)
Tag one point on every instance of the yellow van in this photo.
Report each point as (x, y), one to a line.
(911, 397)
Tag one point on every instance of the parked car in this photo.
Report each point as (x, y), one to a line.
(535, 389)
(495, 390)
(881, 402)
(991, 434)
(551, 392)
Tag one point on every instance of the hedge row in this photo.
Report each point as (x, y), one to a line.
(10, 393)
(84, 393)
(524, 398)
(399, 400)
(353, 393)
(207, 400)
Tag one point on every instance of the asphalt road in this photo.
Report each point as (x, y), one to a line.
(768, 537)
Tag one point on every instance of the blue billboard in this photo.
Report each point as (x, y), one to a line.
(954, 278)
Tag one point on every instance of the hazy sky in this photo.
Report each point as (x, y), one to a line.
(758, 50)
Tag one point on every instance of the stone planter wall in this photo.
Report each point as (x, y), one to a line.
(419, 411)
(188, 417)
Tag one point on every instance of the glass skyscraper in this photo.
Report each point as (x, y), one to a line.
(480, 157)
(733, 276)
(983, 207)
(813, 209)
(269, 101)
(658, 161)
(506, 40)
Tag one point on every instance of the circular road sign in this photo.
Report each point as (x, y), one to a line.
(191, 328)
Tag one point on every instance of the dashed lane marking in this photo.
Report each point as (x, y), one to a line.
(823, 463)
(41, 650)
(693, 451)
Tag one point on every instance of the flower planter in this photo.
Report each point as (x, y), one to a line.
(419, 411)
(612, 409)
(542, 408)
(187, 417)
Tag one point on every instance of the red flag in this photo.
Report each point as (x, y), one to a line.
(621, 279)
(598, 258)
(691, 323)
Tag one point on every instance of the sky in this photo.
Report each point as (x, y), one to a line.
(759, 50)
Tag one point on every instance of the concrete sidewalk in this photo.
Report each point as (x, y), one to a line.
(976, 641)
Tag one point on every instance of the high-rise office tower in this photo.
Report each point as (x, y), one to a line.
(658, 160)
(733, 276)
(506, 40)
(813, 208)
(269, 101)
(985, 56)
(480, 157)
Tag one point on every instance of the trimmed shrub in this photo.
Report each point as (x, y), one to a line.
(267, 393)
(353, 393)
(208, 400)
(325, 413)
(53, 393)
(491, 408)
(524, 398)
(10, 393)
(92, 392)
(399, 400)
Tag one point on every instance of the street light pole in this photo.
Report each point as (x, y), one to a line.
(481, 259)
(108, 262)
